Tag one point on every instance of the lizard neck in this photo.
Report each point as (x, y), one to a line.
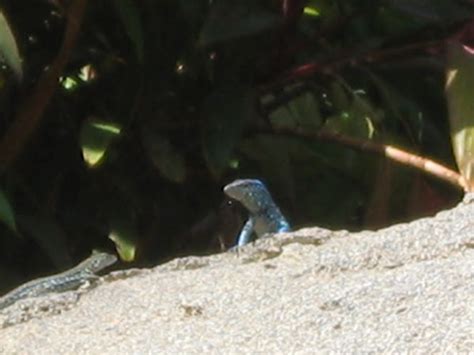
(94, 263)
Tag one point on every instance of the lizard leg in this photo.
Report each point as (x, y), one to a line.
(284, 227)
(244, 236)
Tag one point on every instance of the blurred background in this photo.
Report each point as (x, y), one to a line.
(121, 120)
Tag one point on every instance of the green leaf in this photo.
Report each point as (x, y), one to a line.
(459, 91)
(306, 110)
(9, 49)
(351, 123)
(299, 108)
(95, 138)
(397, 104)
(6, 212)
(356, 114)
(124, 235)
(121, 206)
(311, 11)
(69, 83)
(131, 20)
(225, 110)
(282, 118)
(339, 95)
(363, 116)
(164, 156)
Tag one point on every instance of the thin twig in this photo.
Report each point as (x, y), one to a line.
(33, 107)
(396, 154)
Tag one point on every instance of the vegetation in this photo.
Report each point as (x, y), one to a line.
(123, 119)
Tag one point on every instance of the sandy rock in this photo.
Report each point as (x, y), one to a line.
(407, 288)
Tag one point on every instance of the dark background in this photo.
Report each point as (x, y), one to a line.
(180, 97)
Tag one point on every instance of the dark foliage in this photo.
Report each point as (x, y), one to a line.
(161, 103)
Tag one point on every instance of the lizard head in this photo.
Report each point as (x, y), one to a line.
(252, 193)
(98, 261)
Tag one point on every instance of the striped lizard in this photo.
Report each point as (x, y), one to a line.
(61, 282)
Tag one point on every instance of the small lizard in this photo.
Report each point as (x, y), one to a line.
(264, 215)
(61, 282)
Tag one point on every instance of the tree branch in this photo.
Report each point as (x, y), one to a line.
(33, 107)
(396, 154)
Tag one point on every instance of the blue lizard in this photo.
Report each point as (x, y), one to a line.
(264, 215)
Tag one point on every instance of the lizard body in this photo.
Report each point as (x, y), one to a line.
(264, 215)
(61, 282)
